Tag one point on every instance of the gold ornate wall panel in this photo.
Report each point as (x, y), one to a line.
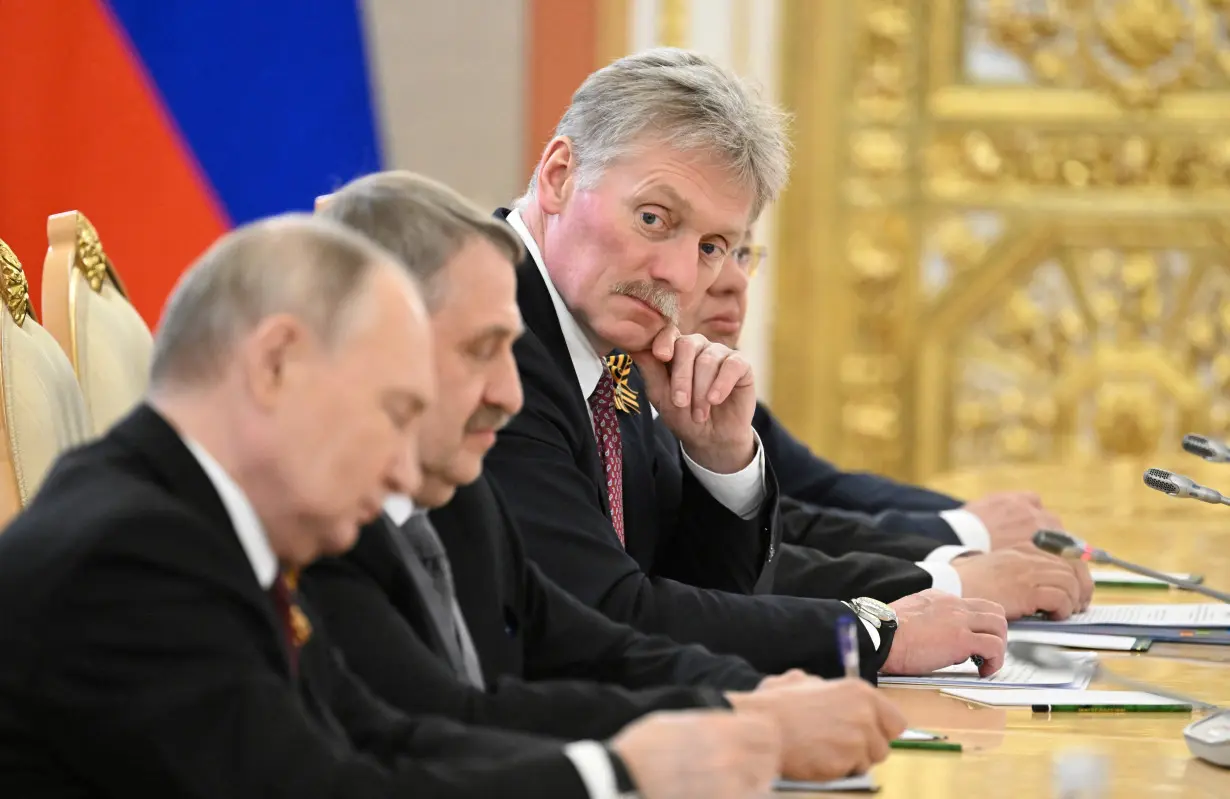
(1007, 238)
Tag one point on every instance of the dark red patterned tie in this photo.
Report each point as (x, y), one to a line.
(295, 627)
(610, 444)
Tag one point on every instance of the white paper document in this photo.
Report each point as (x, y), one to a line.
(1060, 698)
(1015, 674)
(860, 783)
(1204, 615)
(917, 735)
(1117, 577)
(1107, 643)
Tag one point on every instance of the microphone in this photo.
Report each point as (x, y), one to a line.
(1210, 449)
(1065, 546)
(1176, 485)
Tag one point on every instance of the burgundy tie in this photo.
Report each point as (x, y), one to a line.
(295, 627)
(606, 430)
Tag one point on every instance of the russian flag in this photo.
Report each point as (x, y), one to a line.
(167, 122)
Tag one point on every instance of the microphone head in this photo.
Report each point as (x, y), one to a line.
(1175, 485)
(1204, 447)
(1058, 543)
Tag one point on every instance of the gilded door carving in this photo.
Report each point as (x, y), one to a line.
(1008, 237)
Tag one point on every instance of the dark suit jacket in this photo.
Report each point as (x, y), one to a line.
(890, 506)
(142, 658)
(820, 555)
(690, 566)
(552, 665)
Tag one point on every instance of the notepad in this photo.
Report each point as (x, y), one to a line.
(1115, 577)
(861, 783)
(1207, 616)
(1061, 698)
(1107, 643)
(1015, 674)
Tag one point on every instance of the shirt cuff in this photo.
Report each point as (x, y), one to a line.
(592, 763)
(742, 492)
(943, 577)
(969, 529)
(873, 632)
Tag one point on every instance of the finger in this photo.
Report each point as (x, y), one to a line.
(664, 343)
(891, 720)
(877, 747)
(1085, 581)
(1062, 574)
(656, 377)
(736, 371)
(1030, 498)
(991, 649)
(988, 624)
(682, 364)
(1054, 601)
(704, 372)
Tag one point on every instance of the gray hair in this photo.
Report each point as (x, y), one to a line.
(312, 268)
(686, 100)
(421, 221)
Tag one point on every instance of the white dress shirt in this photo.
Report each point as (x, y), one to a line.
(588, 757)
(742, 492)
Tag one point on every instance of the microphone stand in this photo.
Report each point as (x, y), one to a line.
(1101, 556)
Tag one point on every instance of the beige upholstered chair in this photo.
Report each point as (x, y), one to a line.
(86, 309)
(42, 412)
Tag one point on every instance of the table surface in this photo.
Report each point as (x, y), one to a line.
(1011, 752)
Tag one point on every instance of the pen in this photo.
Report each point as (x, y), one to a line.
(936, 746)
(1112, 708)
(847, 645)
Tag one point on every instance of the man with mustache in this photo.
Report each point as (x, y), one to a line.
(869, 513)
(656, 169)
(507, 646)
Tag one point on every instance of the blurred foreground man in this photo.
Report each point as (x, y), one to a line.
(153, 641)
(442, 614)
(657, 168)
(869, 513)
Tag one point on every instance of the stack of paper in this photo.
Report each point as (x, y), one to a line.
(1115, 577)
(1060, 700)
(861, 783)
(1202, 624)
(1106, 643)
(1014, 674)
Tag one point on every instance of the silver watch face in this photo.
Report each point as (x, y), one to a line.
(876, 609)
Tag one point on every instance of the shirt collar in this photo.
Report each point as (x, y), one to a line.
(586, 362)
(399, 508)
(247, 523)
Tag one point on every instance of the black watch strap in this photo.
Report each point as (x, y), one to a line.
(623, 778)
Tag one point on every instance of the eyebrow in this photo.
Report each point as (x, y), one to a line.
(731, 236)
(499, 330)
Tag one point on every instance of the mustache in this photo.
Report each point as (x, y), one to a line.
(660, 298)
(488, 417)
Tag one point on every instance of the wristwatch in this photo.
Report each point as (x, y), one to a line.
(878, 615)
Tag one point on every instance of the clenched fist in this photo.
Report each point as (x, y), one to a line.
(1025, 580)
(936, 629)
(830, 728)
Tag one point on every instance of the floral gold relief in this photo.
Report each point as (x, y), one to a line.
(16, 290)
(1014, 218)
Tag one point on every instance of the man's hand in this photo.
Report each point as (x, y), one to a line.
(1012, 517)
(701, 754)
(1025, 580)
(829, 729)
(936, 629)
(705, 394)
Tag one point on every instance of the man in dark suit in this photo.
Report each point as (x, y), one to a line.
(847, 512)
(655, 171)
(153, 641)
(494, 642)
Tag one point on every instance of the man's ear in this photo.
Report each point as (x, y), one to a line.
(271, 355)
(555, 175)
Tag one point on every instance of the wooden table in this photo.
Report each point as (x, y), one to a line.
(1015, 753)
